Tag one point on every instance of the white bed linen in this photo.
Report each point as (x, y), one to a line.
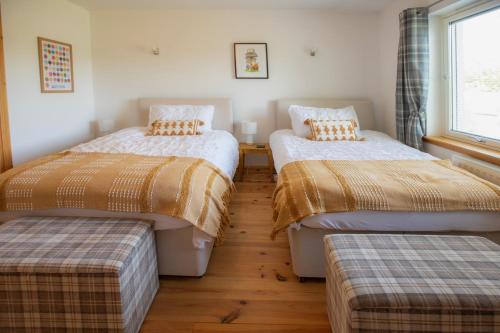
(404, 221)
(218, 147)
(288, 148)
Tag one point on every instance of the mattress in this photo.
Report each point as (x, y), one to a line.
(218, 147)
(404, 221)
(288, 148)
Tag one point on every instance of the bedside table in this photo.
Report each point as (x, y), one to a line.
(246, 148)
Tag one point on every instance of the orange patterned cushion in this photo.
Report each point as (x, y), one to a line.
(175, 127)
(332, 130)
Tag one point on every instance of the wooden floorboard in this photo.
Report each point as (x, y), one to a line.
(249, 286)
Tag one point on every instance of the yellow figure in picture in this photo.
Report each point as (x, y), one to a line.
(251, 59)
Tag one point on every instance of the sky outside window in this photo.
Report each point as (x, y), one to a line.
(476, 74)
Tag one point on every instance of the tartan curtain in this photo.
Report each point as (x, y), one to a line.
(413, 76)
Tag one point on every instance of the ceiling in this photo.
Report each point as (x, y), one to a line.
(348, 5)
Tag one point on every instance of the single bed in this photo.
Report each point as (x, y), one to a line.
(183, 249)
(306, 235)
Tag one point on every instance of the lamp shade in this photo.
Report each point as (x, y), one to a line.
(248, 127)
(105, 125)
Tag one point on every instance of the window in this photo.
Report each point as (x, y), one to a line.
(474, 76)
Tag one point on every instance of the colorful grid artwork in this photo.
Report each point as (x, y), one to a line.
(56, 66)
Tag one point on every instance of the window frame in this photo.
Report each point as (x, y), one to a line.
(476, 9)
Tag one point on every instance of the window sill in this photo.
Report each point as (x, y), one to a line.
(481, 153)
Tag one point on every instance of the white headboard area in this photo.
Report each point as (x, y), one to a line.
(223, 115)
(364, 110)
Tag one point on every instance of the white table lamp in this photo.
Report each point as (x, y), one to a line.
(249, 129)
(105, 126)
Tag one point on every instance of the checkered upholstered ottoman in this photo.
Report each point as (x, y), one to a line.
(76, 274)
(399, 283)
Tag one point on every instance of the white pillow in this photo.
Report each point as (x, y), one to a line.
(204, 113)
(298, 114)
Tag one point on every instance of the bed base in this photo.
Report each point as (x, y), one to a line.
(306, 248)
(177, 256)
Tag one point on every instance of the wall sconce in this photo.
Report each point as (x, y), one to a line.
(156, 50)
(312, 52)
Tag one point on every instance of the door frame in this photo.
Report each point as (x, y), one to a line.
(5, 143)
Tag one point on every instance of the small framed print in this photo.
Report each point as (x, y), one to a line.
(56, 66)
(250, 61)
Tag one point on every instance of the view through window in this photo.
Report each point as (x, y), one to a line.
(475, 68)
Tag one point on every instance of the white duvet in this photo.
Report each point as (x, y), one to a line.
(287, 147)
(218, 147)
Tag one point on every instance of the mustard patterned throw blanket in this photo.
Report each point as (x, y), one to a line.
(183, 187)
(306, 188)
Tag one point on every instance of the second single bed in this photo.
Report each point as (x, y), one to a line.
(306, 231)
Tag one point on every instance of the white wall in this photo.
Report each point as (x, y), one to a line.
(197, 59)
(388, 45)
(44, 123)
(357, 57)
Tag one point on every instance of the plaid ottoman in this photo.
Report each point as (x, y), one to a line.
(76, 274)
(404, 283)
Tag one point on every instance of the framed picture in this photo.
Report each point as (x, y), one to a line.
(250, 61)
(56, 66)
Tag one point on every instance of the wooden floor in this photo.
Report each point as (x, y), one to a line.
(249, 286)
